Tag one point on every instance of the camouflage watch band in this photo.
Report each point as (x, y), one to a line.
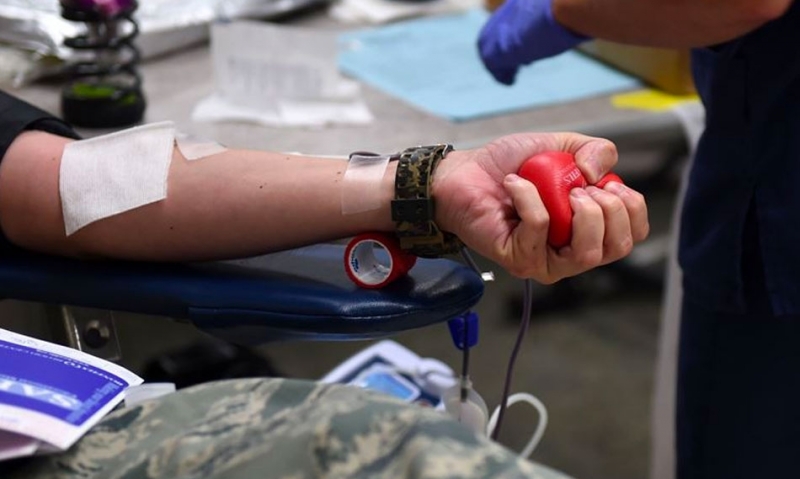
(413, 208)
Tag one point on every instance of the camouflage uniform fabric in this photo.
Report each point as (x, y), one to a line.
(281, 429)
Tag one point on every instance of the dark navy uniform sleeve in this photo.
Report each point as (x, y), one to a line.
(17, 116)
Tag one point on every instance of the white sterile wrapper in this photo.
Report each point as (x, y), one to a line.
(279, 76)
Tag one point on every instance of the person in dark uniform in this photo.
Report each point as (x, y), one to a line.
(738, 381)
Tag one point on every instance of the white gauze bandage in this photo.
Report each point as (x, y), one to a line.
(361, 185)
(111, 174)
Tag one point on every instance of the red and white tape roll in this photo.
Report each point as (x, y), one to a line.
(368, 271)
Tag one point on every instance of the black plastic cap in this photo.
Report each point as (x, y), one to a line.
(103, 112)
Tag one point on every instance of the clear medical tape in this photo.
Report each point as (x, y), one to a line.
(361, 185)
(193, 147)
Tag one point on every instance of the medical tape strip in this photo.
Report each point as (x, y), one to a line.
(361, 184)
(194, 148)
(366, 270)
(111, 174)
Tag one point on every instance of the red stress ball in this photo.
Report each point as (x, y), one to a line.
(555, 174)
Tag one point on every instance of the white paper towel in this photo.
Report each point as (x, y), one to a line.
(279, 76)
(385, 11)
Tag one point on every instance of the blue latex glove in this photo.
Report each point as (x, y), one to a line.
(521, 32)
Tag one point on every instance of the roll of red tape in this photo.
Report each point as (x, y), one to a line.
(368, 270)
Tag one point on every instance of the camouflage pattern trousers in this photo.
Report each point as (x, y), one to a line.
(277, 429)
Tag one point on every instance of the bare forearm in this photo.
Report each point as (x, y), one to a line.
(231, 204)
(667, 23)
(240, 203)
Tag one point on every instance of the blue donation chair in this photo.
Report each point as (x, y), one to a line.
(298, 294)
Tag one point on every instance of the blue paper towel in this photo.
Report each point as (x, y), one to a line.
(433, 63)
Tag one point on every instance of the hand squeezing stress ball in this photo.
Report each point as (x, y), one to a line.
(555, 174)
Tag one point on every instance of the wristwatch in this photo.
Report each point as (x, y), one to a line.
(413, 207)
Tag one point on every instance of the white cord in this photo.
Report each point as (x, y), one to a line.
(537, 435)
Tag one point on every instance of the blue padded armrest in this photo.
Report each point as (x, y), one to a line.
(303, 293)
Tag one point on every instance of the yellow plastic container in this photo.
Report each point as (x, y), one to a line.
(665, 69)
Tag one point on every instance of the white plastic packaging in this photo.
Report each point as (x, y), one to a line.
(145, 392)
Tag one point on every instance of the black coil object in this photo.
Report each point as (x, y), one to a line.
(104, 88)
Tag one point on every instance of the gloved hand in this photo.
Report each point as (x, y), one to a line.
(519, 33)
